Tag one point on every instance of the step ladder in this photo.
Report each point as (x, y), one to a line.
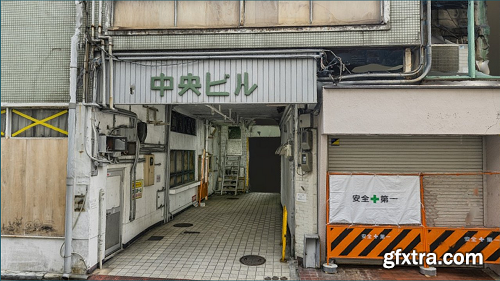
(230, 175)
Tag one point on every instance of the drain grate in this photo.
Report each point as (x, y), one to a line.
(155, 238)
(183, 224)
(191, 232)
(232, 198)
(252, 260)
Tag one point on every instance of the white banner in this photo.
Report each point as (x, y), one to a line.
(371, 199)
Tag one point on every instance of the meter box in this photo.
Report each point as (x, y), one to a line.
(306, 161)
(149, 170)
(306, 140)
(305, 120)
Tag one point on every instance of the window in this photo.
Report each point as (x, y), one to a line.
(181, 167)
(234, 133)
(183, 124)
(237, 14)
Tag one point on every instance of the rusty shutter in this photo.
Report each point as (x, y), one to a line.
(451, 201)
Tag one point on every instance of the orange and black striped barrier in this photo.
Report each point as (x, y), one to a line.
(372, 242)
(471, 240)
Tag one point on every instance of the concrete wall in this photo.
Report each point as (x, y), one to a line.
(264, 131)
(492, 153)
(306, 201)
(492, 188)
(412, 111)
(32, 254)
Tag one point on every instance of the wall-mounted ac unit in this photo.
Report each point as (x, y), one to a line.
(450, 58)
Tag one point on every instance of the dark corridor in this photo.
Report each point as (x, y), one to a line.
(264, 166)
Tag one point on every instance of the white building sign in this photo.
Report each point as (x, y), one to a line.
(374, 200)
(251, 81)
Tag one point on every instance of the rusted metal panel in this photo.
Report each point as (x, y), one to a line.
(249, 80)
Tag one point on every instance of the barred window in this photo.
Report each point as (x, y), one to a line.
(183, 124)
(181, 167)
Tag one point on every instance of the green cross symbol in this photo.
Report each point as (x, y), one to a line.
(374, 198)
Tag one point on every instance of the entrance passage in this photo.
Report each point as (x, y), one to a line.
(264, 167)
(223, 232)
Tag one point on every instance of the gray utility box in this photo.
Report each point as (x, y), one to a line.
(311, 251)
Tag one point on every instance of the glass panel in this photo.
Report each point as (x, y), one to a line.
(172, 161)
(143, 14)
(191, 160)
(346, 12)
(191, 176)
(178, 161)
(186, 161)
(208, 14)
(276, 13)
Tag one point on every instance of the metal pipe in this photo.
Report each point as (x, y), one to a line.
(166, 197)
(70, 166)
(103, 69)
(220, 113)
(471, 38)
(111, 71)
(7, 122)
(99, 27)
(92, 26)
(286, 51)
(390, 75)
(100, 240)
(194, 57)
(175, 13)
(133, 174)
(427, 67)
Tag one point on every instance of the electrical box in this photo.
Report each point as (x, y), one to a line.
(116, 143)
(306, 140)
(311, 251)
(305, 120)
(306, 161)
(149, 170)
(101, 144)
(129, 133)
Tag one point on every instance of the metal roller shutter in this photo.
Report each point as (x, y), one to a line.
(451, 201)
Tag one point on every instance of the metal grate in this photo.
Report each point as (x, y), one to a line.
(155, 238)
(183, 224)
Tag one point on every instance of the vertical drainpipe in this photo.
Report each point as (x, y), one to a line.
(166, 196)
(70, 166)
(471, 37)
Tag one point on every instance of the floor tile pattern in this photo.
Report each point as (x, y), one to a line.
(228, 230)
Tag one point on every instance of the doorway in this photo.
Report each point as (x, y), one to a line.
(264, 166)
(114, 191)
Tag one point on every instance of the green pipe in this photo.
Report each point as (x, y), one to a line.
(471, 40)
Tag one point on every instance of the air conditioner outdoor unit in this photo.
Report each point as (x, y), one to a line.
(450, 58)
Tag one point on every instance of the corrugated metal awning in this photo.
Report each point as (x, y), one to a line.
(260, 78)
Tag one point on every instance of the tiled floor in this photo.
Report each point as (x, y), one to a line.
(229, 229)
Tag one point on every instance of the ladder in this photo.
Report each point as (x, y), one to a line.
(230, 174)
